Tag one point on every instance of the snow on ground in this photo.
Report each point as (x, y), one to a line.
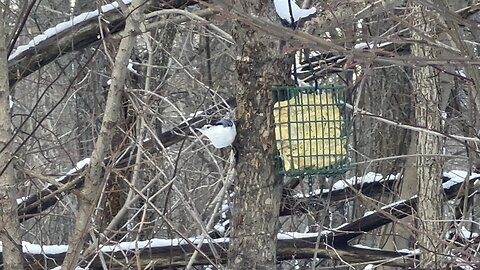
(64, 26)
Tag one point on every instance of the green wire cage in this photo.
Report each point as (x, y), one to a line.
(311, 130)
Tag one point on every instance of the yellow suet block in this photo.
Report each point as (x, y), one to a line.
(308, 131)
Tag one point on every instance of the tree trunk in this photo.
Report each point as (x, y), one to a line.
(257, 188)
(9, 225)
(429, 168)
(95, 178)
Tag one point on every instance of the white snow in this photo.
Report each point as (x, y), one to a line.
(76, 268)
(366, 247)
(456, 177)
(467, 234)
(409, 251)
(461, 72)
(195, 114)
(131, 68)
(64, 26)
(21, 200)
(396, 203)
(364, 45)
(283, 10)
(152, 243)
(295, 235)
(370, 177)
(368, 213)
(463, 233)
(220, 227)
(30, 248)
(82, 163)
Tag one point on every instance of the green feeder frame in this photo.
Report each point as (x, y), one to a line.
(311, 130)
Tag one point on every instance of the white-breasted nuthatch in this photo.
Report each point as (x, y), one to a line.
(221, 134)
(283, 10)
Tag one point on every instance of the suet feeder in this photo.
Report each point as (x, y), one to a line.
(311, 130)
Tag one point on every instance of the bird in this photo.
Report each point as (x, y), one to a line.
(221, 134)
(283, 11)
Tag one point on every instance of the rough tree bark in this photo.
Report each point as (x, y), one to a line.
(427, 114)
(9, 225)
(259, 66)
(95, 178)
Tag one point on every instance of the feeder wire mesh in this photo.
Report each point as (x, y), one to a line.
(310, 130)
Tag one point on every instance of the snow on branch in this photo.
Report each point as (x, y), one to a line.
(46, 198)
(76, 34)
(164, 253)
(333, 243)
(61, 27)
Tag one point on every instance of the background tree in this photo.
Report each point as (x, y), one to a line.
(428, 115)
(10, 234)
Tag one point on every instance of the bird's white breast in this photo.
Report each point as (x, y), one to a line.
(220, 136)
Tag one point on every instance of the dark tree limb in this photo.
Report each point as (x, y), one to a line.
(387, 214)
(46, 198)
(333, 244)
(75, 38)
(178, 255)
